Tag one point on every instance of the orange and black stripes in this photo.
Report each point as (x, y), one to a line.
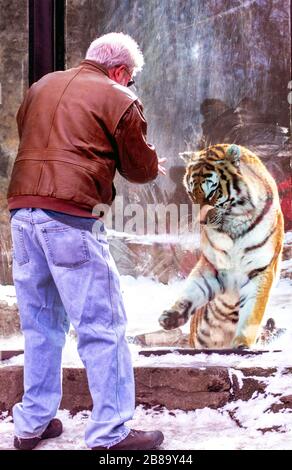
(232, 179)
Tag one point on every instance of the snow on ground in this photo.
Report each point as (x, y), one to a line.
(151, 298)
(238, 425)
(154, 297)
(7, 294)
(288, 237)
(174, 359)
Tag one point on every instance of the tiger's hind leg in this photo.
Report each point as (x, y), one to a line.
(199, 332)
(254, 299)
(213, 326)
(254, 295)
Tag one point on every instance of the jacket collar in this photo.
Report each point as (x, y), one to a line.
(94, 66)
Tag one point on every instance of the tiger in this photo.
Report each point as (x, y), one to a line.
(241, 241)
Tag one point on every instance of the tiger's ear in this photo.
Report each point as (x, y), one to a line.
(233, 154)
(187, 156)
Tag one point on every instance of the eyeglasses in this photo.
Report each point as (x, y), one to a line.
(131, 81)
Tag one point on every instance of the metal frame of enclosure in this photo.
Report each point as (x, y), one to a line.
(46, 37)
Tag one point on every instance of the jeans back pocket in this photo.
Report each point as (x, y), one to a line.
(67, 246)
(19, 250)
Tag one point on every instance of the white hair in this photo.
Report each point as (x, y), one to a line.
(114, 49)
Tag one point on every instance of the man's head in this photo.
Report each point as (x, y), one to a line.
(120, 54)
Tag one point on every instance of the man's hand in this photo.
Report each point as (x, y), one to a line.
(161, 168)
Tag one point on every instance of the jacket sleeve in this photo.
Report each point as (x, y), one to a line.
(21, 112)
(137, 160)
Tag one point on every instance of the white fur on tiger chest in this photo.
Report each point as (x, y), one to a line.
(237, 256)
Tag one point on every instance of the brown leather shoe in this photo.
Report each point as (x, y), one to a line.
(137, 440)
(54, 429)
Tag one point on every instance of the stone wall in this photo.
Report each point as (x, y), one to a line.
(14, 82)
(185, 388)
(9, 319)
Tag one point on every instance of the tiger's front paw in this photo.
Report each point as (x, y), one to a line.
(177, 316)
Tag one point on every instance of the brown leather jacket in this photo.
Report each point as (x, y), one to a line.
(76, 127)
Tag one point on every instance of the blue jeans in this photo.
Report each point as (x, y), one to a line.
(63, 271)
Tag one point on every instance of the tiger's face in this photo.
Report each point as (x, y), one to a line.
(211, 176)
(203, 185)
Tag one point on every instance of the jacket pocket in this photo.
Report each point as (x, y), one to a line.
(67, 246)
(19, 250)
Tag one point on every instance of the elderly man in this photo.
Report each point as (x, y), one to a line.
(76, 127)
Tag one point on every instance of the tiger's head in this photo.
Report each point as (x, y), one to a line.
(212, 175)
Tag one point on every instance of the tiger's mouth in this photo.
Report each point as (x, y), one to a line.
(205, 206)
(204, 212)
(201, 200)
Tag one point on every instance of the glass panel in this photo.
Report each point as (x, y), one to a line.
(215, 72)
